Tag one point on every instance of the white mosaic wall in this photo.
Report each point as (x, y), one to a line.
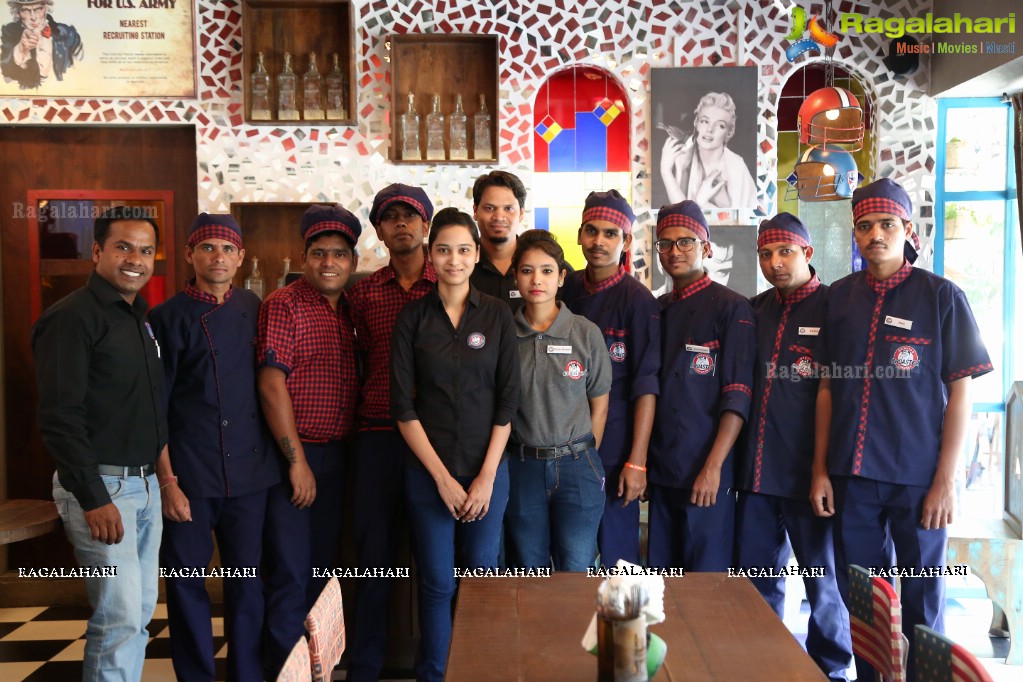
(244, 163)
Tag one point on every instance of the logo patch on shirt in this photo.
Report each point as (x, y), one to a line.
(476, 341)
(905, 358)
(803, 366)
(514, 293)
(574, 370)
(617, 351)
(703, 363)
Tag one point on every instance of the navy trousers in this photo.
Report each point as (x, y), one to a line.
(761, 524)
(871, 519)
(238, 524)
(618, 537)
(687, 536)
(380, 526)
(296, 541)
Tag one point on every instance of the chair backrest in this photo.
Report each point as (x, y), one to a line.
(326, 626)
(939, 659)
(875, 617)
(297, 667)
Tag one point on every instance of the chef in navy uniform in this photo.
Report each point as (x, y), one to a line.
(708, 346)
(887, 469)
(628, 315)
(219, 463)
(773, 474)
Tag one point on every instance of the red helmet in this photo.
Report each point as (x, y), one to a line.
(831, 116)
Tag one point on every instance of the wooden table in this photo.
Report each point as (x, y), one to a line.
(717, 628)
(24, 519)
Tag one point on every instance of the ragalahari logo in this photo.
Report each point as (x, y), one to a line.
(818, 36)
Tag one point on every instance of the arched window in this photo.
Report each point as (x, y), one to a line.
(580, 144)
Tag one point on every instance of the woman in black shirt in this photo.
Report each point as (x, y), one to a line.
(454, 390)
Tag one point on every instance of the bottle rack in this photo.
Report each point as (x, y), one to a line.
(446, 65)
(300, 27)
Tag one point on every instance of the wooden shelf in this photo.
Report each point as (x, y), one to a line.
(447, 65)
(274, 27)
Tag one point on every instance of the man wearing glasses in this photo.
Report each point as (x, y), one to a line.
(708, 346)
(34, 47)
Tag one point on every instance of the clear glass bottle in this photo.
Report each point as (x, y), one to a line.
(312, 92)
(287, 86)
(410, 149)
(254, 282)
(282, 281)
(259, 92)
(458, 144)
(435, 132)
(337, 93)
(482, 147)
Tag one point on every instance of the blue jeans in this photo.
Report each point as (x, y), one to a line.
(554, 510)
(116, 637)
(434, 532)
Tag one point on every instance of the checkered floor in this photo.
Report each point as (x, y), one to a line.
(40, 644)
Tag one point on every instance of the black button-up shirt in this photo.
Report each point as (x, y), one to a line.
(459, 383)
(100, 386)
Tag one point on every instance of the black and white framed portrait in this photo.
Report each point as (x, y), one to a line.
(704, 136)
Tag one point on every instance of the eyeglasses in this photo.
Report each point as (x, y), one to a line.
(684, 244)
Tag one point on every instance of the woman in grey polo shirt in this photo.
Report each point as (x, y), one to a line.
(557, 481)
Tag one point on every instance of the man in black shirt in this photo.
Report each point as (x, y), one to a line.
(100, 380)
(498, 204)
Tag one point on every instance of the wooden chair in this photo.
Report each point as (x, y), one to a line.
(875, 616)
(326, 626)
(297, 667)
(939, 659)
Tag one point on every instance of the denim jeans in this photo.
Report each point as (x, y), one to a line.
(554, 510)
(434, 532)
(116, 637)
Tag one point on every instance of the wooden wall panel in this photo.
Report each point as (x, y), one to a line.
(68, 157)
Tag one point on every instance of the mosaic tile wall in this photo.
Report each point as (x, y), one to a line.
(245, 163)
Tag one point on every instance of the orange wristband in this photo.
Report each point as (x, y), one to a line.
(636, 467)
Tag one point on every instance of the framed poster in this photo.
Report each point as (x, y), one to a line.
(704, 136)
(732, 262)
(98, 48)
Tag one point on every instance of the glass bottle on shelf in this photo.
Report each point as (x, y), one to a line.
(481, 144)
(458, 144)
(282, 281)
(259, 91)
(254, 282)
(435, 132)
(287, 85)
(410, 149)
(337, 93)
(312, 92)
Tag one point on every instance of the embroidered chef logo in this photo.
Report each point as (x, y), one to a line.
(617, 351)
(905, 358)
(803, 366)
(574, 370)
(476, 340)
(703, 363)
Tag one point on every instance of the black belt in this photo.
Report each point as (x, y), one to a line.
(124, 472)
(571, 448)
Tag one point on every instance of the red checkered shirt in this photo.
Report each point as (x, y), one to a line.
(375, 303)
(314, 345)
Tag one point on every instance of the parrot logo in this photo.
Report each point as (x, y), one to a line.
(818, 36)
